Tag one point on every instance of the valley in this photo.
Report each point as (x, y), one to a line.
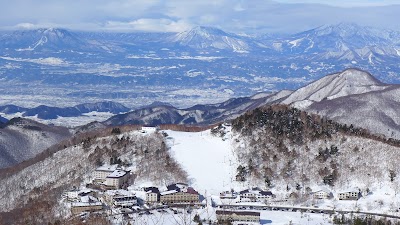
(202, 65)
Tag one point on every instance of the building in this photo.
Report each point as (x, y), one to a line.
(120, 198)
(230, 195)
(79, 207)
(72, 195)
(255, 195)
(240, 216)
(102, 172)
(178, 187)
(149, 129)
(86, 204)
(117, 179)
(175, 196)
(349, 195)
(322, 194)
(152, 194)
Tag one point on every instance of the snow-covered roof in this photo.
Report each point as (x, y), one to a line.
(117, 174)
(256, 190)
(88, 199)
(242, 213)
(82, 204)
(151, 190)
(350, 190)
(119, 192)
(107, 168)
(168, 192)
(322, 189)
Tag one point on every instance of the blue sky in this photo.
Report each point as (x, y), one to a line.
(247, 16)
(344, 3)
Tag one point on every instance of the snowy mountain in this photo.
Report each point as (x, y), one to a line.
(22, 139)
(48, 112)
(282, 149)
(34, 187)
(295, 154)
(45, 40)
(352, 97)
(208, 37)
(344, 41)
(198, 114)
(178, 67)
(348, 82)
(376, 111)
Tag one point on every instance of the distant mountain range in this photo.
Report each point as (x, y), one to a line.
(199, 114)
(47, 112)
(350, 97)
(148, 67)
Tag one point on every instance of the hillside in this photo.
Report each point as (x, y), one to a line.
(41, 181)
(205, 114)
(294, 153)
(353, 97)
(22, 139)
(348, 82)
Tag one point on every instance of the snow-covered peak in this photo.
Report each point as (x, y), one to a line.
(206, 31)
(55, 32)
(352, 33)
(348, 82)
(204, 37)
(342, 29)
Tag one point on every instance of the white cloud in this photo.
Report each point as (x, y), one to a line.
(150, 25)
(176, 15)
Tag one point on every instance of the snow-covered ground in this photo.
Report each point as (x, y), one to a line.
(212, 163)
(67, 121)
(209, 160)
(183, 217)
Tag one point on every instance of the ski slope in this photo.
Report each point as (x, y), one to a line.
(209, 160)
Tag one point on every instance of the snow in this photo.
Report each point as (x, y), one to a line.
(117, 174)
(260, 95)
(266, 217)
(370, 59)
(397, 51)
(67, 121)
(108, 168)
(51, 61)
(209, 160)
(168, 192)
(296, 42)
(337, 85)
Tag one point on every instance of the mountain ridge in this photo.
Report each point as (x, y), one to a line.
(47, 112)
(22, 139)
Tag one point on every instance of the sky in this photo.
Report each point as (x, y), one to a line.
(239, 16)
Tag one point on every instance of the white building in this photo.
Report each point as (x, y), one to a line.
(351, 194)
(152, 194)
(322, 194)
(116, 179)
(255, 195)
(149, 129)
(102, 172)
(72, 195)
